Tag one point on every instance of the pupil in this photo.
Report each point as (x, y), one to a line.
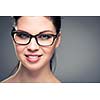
(45, 36)
(23, 35)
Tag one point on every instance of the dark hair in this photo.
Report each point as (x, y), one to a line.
(56, 22)
(55, 19)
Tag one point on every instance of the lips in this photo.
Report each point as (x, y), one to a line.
(33, 58)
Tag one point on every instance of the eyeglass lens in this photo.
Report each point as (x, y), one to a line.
(43, 39)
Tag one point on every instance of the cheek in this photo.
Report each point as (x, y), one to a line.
(19, 50)
(48, 51)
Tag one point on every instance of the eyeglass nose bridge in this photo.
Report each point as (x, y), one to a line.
(33, 36)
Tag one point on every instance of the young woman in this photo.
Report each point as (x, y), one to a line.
(35, 39)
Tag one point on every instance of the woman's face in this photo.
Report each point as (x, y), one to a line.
(33, 56)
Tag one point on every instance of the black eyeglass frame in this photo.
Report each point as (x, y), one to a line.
(33, 36)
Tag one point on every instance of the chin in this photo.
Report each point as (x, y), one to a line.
(34, 67)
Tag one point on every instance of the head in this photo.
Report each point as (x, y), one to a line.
(36, 52)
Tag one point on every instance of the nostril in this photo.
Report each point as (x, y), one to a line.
(32, 50)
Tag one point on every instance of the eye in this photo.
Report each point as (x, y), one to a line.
(22, 35)
(45, 36)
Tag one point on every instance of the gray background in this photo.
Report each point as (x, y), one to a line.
(78, 57)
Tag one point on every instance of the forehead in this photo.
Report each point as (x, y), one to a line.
(35, 23)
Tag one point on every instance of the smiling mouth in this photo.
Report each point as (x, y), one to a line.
(33, 58)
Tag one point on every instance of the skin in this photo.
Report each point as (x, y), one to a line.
(35, 69)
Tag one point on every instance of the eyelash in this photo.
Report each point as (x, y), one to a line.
(41, 36)
(45, 36)
(23, 35)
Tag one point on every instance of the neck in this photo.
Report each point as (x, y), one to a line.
(43, 75)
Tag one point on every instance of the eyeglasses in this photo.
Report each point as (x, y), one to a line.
(42, 39)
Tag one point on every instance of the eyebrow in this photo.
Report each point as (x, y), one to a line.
(39, 32)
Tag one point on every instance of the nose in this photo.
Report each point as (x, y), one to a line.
(33, 46)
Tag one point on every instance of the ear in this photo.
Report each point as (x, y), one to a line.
(58, 41)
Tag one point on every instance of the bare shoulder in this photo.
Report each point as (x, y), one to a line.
(57, 81)
(8, 80)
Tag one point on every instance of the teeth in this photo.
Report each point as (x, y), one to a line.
(33, 57)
